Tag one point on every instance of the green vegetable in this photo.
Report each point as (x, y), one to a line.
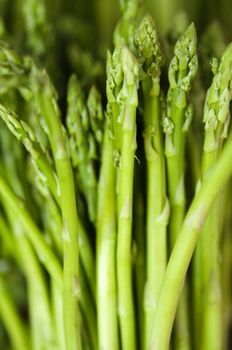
(115, 169)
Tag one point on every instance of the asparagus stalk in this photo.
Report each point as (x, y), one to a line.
(82, 142)
(36, 25)
(157, 204)
(125, 198)
(139, 248)
(125, 28)
(106, 250)
(9, 315)
(184, 247)
(182, 69)
(40, 309)
(226, 266)
(44, 252)
(46, 99)
(216, 119)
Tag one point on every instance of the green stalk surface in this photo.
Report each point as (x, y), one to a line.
(106, 251)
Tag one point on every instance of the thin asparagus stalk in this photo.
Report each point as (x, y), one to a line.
(22, 131)
(184, 247)
(139, 258)
(87, 259)
(113, 88)
(125, 199)
(57, 313)
(15, 327)
(82, 158)
(46, 99)
(226, 266)
(44, 252)
(88, 310)
(106, 250)
(157, 204)
(123, 33)
(182, 69)
(40, 312)
(216, 119)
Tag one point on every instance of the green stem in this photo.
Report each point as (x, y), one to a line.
(175, 170)
(106, 251)
(39, 309)
(87, 306)
(16, 329)
(125, 200)
(49, 109)
(176, 189)
(184, 247)
(211, 300)
(226, 266)
(45, 254)
(139, 260)
(87, 259)
(57, 312)
(157, 209)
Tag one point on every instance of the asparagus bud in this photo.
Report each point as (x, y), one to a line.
(217, 102)
(183, 66)
(149, 53)
(23, 133)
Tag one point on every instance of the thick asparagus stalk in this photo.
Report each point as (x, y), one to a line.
(46, 99)
(157, 205)
(216, 119)
(125, 198)
(184, 247)
(106, 250)
(182, 69)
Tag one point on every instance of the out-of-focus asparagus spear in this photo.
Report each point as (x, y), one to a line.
(12, 322)
(82, 142)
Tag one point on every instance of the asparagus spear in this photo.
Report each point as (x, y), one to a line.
(44, 252)
(184, 247)
(46, 99)
(139, 250)
(182, 69)
(106, 250)
(216, 120)
(125, 198)
(23, 132)
(125, 28)
(151, 59)
(82, 143)
(36, 25)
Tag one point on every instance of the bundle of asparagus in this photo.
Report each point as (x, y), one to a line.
(115, 190)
